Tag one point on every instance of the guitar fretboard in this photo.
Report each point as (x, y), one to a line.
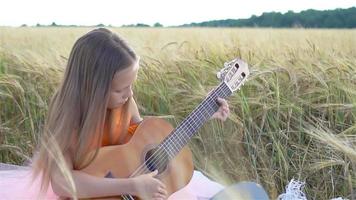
(181, 135)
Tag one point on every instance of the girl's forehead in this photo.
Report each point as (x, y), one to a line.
(126, 76)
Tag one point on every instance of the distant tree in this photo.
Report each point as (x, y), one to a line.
(24, 25)
(142, 25)
(38, 25)
(157, 24)
(100, 25)
(53, 24)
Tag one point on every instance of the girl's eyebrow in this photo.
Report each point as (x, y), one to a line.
(123, 88)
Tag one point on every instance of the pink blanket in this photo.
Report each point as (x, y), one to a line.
(15, 184)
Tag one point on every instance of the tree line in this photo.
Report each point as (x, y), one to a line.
(337, 18)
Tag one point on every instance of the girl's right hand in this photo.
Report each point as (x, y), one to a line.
(149, 187)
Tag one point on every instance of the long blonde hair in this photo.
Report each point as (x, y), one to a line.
(77, 111)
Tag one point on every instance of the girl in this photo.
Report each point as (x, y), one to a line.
(94, 107)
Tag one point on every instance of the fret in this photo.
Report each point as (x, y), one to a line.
(181, 135)
(170, 152)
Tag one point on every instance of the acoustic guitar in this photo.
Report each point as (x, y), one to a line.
(157, 145)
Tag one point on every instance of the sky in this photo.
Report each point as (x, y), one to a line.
(166, 12)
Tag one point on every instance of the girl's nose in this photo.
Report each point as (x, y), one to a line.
(129, 94)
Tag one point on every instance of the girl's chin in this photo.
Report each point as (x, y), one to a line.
(116, 106)
(119, 104)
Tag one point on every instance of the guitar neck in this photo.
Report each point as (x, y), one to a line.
(182, 134)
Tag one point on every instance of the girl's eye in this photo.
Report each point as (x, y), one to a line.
(124, 89)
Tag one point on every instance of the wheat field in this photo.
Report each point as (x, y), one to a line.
(294, 118)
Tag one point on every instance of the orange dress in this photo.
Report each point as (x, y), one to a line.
(130, 131)
(112, 134)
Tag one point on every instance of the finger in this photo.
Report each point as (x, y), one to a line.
(227, 112)
(162, 191)
(223, 112)
(154, 173)
(159, 195)
(220, 101)
(224, 109)
(161, 184)
(225, 105)
(213, 116)
(163, 187)
(223, 101)
(224, 116)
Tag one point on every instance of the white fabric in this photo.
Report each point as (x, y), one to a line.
(200, 187)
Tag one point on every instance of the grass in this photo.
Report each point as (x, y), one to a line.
(294, 118)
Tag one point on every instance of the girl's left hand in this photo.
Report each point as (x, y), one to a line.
(223, 111)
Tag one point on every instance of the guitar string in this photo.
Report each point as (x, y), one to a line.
(184, 129)
(161, 154)
(142, 168)
(170, 139)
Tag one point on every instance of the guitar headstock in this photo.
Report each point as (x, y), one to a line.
(234, 73)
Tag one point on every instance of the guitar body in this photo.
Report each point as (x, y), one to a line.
(121, 161)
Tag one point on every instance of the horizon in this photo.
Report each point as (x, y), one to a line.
(48, 13)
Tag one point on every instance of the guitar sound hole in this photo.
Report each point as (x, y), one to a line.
(156, 159)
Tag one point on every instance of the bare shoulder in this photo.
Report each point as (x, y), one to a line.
(135, 114)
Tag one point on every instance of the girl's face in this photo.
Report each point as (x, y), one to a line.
(121, 87)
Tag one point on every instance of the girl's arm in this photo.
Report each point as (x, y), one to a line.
(144, 186)
(90, 186)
